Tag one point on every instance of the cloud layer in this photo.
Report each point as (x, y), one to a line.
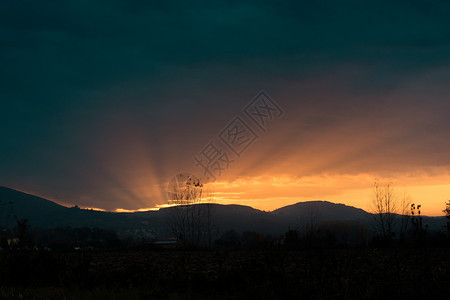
(103, 101)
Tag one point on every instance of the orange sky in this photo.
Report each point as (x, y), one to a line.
(329, 145)
(269, 193)
(314, 152)
(103, 111)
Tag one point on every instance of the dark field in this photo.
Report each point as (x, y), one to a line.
(179, 274)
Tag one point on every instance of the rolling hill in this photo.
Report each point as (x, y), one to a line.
(152, 224)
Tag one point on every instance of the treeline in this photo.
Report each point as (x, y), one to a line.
(333, 235)
(406, 231)
(23, 237)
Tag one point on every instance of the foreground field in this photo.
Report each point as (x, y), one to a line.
(177, 274)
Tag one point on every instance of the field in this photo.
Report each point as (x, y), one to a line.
(197, 274)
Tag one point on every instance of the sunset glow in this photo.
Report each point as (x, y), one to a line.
(324, 116)
(232, 149)
(272, 193)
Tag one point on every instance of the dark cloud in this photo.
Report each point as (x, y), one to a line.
(81, 79)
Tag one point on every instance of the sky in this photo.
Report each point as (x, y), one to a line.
(103, 102)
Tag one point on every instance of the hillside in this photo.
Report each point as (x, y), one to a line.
(319, 211)
(153, 224)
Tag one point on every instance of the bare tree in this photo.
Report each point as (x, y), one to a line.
(191, 219)
(447, 209)
(405, 211)
(419, 230)
(384, 208)
(447, 214)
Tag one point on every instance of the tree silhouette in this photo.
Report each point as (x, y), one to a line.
(405, 204)
(23, 231)
(191, 219)
(419, 230)
(384, 208)
(447, 214)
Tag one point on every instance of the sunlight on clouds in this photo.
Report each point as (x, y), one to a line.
(92, 208)
(122, 210)
(271, 192)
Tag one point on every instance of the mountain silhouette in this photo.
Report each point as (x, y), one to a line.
(153, 224)
(45, 213)
(29, 206)
(319, 211)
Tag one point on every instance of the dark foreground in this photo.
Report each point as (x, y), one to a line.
(178, 274)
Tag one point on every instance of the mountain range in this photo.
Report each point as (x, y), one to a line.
(153, 224)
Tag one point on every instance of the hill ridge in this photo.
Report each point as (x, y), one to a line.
(48, 214)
